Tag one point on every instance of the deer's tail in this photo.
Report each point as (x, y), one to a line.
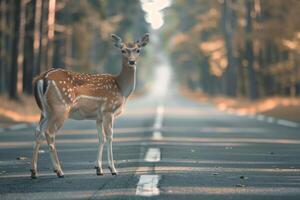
(40, 85)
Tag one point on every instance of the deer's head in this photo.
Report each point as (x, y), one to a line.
(130, 51)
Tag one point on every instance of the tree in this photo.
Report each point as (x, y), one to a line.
(17, 50)
(228, 27)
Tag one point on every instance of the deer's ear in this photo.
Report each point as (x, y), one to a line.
(117, 41)
(144, 41)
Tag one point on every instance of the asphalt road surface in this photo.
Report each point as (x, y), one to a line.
(163, 149)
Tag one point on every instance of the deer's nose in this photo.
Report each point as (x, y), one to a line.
(131, 62)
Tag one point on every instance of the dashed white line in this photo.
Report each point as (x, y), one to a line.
(159, 118)
(42, 151)
(147, 185)
(160, 110)
(157, 135)
(287, 123)
(157, 125)
(153, 155)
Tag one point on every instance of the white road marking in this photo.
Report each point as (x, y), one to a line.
(156, 135)
(159, 118)
(147, 185)
(157, 126)
(287, 123)
(42, 151)
(153, 155)
(261, 117)
(160, 110)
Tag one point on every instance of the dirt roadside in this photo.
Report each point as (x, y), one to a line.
(280, 107)
(14, 112)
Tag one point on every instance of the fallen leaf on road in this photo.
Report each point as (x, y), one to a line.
(240, 185)
(244, 177)
(22, 158)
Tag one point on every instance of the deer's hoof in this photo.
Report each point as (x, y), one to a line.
(60, 174)
(33, 174)
(99, 172)
(113, 172)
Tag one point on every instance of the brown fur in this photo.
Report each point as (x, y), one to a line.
(101, 97)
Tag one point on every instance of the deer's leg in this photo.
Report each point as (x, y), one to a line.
(33, 169)
(53, 155)
(53, 127)
(108, 128)
(38, 140)
(102, 140)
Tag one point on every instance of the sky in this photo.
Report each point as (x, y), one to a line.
(153, 10)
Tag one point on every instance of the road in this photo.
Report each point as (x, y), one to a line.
(170, 149)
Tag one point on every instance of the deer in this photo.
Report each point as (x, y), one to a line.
(61, 94)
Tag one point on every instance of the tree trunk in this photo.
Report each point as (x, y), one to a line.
(3, 11)
(37, 37)
(252, 86)
(29, 49)
(51, 27)
(44, 35)
(17, 50)
(228, 26)
(205, 75)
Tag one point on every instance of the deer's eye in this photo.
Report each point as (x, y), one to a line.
(138, 51)
(123, 51)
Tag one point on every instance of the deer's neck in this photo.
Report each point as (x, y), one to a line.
(126, 79)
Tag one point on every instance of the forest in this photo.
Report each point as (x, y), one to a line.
(237, 48)
(36, 35)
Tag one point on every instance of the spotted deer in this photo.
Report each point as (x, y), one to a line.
(62, 94)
